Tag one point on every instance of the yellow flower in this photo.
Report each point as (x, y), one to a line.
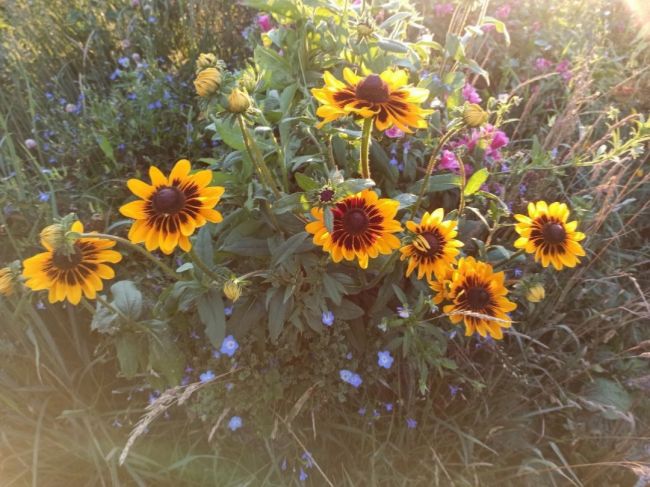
(546, 233)
(386, 97)
(479, 299)
(363, 227)
(536, 293)
(238, 101)
(206, 60)
(207, 81)
(171, 208)
(232, 289)
(434, 249)
(442, 286)
(7, 281)
(53, 236)
(67, 274)
(474, 115)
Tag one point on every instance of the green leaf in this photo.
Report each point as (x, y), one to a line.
(328, 218)
(127, 298)
(277, 313)
(106, 147)
(165, 357)
(438, 182)
(406, 200)
(230, 134)
(351, 186)
(203, 246)
(476, 181)
(305, 182)
(248, 247)
(211, 314)
(608, 397)
(499, 26)
(277, 70)
(347, 310)
(128, 354)
(392, 45)
(288, 248)
(248, 312)
(333, 289)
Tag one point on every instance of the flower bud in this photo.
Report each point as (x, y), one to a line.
(474, 115)
(536, 293)
(238, 101)
(364, 29)
(206, 60)
(31, 144)
(53, 236)
(232, 289)
(7, 281)
(207, 81)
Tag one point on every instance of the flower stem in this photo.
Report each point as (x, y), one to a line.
(203, 266)
(431, 165)
(508, 259)
(257, 158)
(163, 267)
(365, 147)
(463, 180)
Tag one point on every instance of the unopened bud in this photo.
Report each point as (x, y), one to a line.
(207, 81)
(238, 101)
(474, 115)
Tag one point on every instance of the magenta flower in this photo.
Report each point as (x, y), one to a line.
(443, 9)
(542, 64)
(503, 12)
(448, 161)
(264, 22)
(564, 69)
(470, 94)
(394, 133)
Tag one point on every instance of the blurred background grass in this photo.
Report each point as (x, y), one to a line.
(104, 88)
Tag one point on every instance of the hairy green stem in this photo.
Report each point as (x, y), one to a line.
(196, 260)
(430, 166)
(169, 272)
(257, 158)
(365, 147)
(463, 180)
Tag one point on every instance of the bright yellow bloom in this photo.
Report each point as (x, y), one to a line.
(171, 209)
(479, 298)
(69, 273)
(363, 227)
(546, 233)
(536, 293)
(434, 249)
(442, 286)
(207, 81)
(386, 97)
(6, 281)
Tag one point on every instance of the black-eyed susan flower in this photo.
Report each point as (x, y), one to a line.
(362, 228)
(72, 270)
(434, 249)
(386, 97)
(7, 278)
(479, 299)
(171, 208)
(546, 233)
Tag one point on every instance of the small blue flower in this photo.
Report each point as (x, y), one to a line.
(235, 423)
(283, 465)
(227, 311)
(229, 346)
(388, 406)
(309, 461)
(49, 96)
(411, 423)
(518, 272)
(384, 359)
(453, 390)
(216, 354)
(375, 413)
(303, 475)
(115, 74)
(152, 19)
(52, 160)
(185, 380)
(362, 411)
(44, 197)
(121, 147)
(131, 96)
(351, 378)
(327, 318)
(522, 189)
(229, 386)
(153, 396)
(403, 312)
(207, 376)
(124, 61)
(394, 162)
(348, 355)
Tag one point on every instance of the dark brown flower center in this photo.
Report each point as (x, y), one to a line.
(373, 89)
(478, 298)
(326, 195)
(355, 221)
(433, 241)
(553, 233)
(168, 200)
(64, 261)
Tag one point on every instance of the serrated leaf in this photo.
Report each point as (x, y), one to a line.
(476, 181)
(211, 314)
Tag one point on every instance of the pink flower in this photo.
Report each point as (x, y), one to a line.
(443, 9)
(542, 64)
(394, 133)
(264, 22)
(470, 94)
(564, 69)
(448, 161)
(488, 27)
(503, 12)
